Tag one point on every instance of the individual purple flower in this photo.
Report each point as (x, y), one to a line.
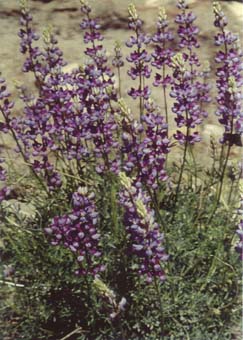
(5, 193)
(229, 78)
(144, 237)
(77, 231)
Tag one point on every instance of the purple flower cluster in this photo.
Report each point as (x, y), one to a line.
(162, 53)
(28, 36)
(144, 147)
(42, 129)
(139, 58)
(72, 117)
(229, 78)
(77, 231)
(130, 139)
(95, 86)
(162, 56)
(189, 92)
(152, 151)
(186, 105)
(143, 232)
(187, 31)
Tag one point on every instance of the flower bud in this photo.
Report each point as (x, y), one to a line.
(132, 11)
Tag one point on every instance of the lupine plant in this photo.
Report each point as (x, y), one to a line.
(124, 240)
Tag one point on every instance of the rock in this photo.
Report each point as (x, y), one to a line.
(159, 3)
(212, 130)
(25, 209)
(70, 67)
(45, 1)
(236, 9)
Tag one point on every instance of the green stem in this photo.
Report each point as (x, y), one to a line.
(157, 288)
(119, 81)
(231, 191)
(194, 165)
(221, 184)
(182, 168)
(222, 174)
(165, 101)
(140, 99)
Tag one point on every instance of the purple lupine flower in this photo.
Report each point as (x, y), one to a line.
(144, 145)
(162, 56)
(139, 58)
(130, 139)
(162, 53)
(186, 106)
(144, 236)
(97, 93)
(229, 78)
(28, 36)
(187, 31)
(190, 92)
(42, 125)
(152, 150)
(52, 177)
(77, 231)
